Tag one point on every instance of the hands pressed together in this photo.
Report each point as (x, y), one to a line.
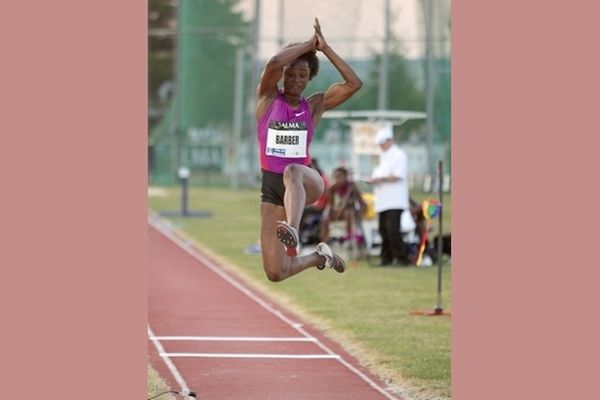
(318, 40)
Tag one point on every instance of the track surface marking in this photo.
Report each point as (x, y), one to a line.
(211, 334)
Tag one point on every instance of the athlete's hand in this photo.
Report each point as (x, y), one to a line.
(321, 42)
(314, 41)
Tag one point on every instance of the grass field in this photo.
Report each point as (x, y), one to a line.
(156, 386)
(367, 308)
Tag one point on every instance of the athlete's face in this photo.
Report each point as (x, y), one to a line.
(295, 77)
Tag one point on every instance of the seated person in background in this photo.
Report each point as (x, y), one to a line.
(321, 202)
(416, 210)
(423, 229)
(345, 203)
(310, 223)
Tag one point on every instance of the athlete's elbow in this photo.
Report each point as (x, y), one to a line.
(355, 85)
(274, 61)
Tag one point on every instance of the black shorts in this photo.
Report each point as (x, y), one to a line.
(272, 188)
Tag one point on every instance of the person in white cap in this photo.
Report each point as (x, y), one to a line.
(390, 187)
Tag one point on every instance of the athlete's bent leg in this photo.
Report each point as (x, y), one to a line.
(276, 263)
(303, 186)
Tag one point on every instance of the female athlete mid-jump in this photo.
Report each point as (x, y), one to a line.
(286, 121)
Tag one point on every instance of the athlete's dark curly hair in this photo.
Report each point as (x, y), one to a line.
(311, 58)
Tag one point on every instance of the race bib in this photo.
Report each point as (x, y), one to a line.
(286, 139)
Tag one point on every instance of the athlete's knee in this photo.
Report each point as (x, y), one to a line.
(292, 173)
(274, 275)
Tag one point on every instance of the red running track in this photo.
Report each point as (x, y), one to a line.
(211, 334)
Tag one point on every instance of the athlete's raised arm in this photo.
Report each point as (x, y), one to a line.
(273, 71)
(339, 92)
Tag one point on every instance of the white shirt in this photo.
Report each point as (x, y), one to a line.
(391, 195)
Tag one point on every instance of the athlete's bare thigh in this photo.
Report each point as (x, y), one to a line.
(311, 180)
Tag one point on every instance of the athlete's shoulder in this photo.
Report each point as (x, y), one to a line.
(266, 104)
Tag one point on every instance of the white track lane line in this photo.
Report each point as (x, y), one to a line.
(250, 355)
(234, 339)
(188, 248)
(174, 371)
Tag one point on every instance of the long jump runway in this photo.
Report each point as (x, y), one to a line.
(210, 334)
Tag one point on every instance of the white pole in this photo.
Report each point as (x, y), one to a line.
(280, 15)
(237, 115)
(384, 65)
(254, 76)
(430, 84)
(176, 97)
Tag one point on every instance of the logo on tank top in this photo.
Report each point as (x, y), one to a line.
(286, 139)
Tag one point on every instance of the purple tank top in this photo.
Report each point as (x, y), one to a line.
(284, 135)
